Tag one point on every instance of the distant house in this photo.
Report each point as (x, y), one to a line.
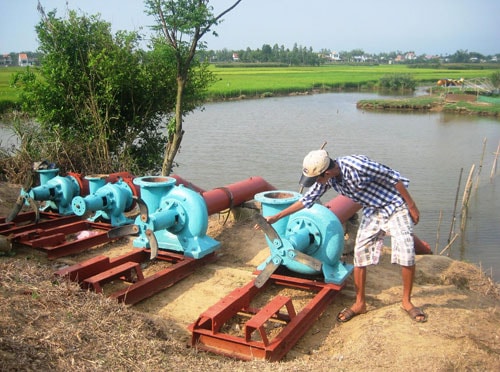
(236, 57)
(23, 59)
(334, 56)
(6, 60)
(410, 56)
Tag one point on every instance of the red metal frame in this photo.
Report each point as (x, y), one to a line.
(207, 334)
(24, 222)
(144, 287)
(54, 233)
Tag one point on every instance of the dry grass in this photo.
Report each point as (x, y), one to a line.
(51, 325)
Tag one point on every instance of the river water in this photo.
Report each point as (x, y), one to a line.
(231, 141)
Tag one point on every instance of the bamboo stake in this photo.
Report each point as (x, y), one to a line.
(466, 197)
(481, 163)
(468, 186)
(455, 208)
(449, 244)
(494, 167)
(438, 231)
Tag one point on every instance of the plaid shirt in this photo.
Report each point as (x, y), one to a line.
(366, 182)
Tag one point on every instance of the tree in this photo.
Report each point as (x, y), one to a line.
(182, 24)
(267, 53)
(460, 56)
(99, 99)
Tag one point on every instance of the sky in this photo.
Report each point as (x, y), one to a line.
(432, 27)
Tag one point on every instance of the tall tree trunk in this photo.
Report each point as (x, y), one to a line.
(174, 140)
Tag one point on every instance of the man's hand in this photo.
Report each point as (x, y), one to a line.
(269, 219)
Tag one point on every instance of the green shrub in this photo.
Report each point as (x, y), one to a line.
(397, 82)
(495, 79)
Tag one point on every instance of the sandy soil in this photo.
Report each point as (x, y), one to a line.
(462, 332)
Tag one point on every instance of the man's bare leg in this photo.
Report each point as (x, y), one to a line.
(408, 275)
(359, 307)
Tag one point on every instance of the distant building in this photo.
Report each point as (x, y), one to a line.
(335, 56)
(6, 60)
(359, 59)
(236, 57)
(410, 56)
(23, 59)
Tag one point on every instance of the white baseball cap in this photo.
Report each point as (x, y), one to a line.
(315, 163)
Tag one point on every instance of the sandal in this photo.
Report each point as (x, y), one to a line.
(416, 314)
(346, 314)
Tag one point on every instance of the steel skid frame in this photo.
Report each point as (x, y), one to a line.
(93, 273)
(54, 234)
(207, 333)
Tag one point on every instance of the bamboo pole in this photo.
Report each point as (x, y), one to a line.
(466, 197)
(494, 167)
(455, 207)
(449, 245)
(481, 163)
(438, 231)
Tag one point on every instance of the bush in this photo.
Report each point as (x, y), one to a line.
(495, 79)
(8, 106)
(397, 82)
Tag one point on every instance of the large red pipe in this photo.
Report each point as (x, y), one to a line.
(235, 194)
(344, 208)
(182, 181)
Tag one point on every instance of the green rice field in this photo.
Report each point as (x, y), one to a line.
(258, 81)
(7, 93)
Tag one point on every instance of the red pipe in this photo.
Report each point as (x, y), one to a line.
(235, 194)
(182, 181)
(222, 198)
(344, 208)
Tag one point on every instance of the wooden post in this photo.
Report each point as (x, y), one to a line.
(466, 197)
(438, 231)
(455, 208)
(481, 163)
(449, 245)
(494, 167)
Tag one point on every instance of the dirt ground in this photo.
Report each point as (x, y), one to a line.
(51, 325)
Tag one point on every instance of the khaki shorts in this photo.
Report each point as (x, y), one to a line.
(371, 233)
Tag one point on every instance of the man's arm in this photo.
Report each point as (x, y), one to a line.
(295, 207)
(412, 207)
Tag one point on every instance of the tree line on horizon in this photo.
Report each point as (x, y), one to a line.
(306, 56)
(299, 55)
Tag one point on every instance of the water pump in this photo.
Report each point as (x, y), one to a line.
(171, 218)
(308, 242)
(55, 190)
(109, 200)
